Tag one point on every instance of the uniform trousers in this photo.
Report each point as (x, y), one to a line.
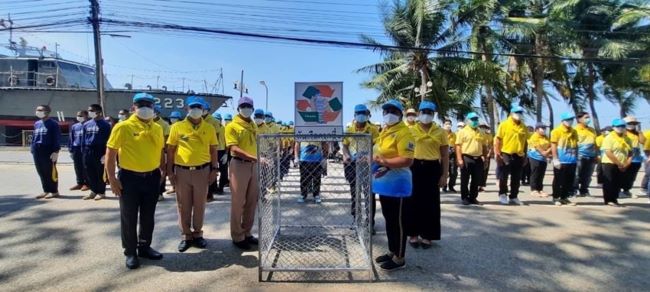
(423, 207)
(393, 210)
(46, 169)
(95, 169)
(78, 161)
(138, 200)
(630, 176)
(537, 172)
(244, 188)
(584, 171)
(471, 176)
(191, 186)
(563, 180)
(350, 171)
(513, 166)
(453, 171)
(310, 178)
(612, 182)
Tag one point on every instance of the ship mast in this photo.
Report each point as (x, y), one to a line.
(99, 68)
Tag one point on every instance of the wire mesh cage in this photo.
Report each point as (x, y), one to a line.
(314, 208)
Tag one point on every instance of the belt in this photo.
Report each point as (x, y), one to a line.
(193, 167)
(470, 156)
(141, 174)
(242, 159)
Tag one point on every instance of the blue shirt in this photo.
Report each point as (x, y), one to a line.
(311, 152)
(47, 135)
(95, 134)
(76, 135)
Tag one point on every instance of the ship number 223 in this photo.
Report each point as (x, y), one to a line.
(170, 102)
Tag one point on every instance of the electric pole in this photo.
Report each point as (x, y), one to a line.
(99, 63)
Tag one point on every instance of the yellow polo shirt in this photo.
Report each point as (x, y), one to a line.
(513, 137)
(242, 134)
(219, 129)
(263, 128)
(471, 141)
(451, 138)
(395, 141)
(619, 145)
(586, 141)
(192, 142)
(646, 145)
(428, 142)
(165, 126)
(139, 144)
(368, 128)
(599, 140)
(287, 142)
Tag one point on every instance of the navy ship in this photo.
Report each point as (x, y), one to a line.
(33, 76)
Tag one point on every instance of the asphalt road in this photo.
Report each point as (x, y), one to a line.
(69, 244)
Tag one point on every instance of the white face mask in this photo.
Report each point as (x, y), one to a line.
(631, 127)
(195, 113)
(92, 115)
(410, 119)
(246, 112)
(619, 130)
(426, 119)
(259, 121)
(447, 127)
(541, 131)
(81, 119)
(391, 119)
(361, 118)
(173, 120)
(516, 116)
(121, 117)
(40, 115)
(145, 113)
(567, 123)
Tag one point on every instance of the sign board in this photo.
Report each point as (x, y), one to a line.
(319, 108)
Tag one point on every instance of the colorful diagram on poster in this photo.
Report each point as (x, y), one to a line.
(319, 108)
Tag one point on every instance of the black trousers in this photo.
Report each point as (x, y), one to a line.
(513, 166)
(471, 176)
(350, 171)
(138, 200)
(285, 163)
(393, 210)
(563, 180)
(223, 169)
(599, 173)
(537, 171)
(79, 171)
(486, 171)
(310, 178)
(525, 174)
(612, 182)
(46, 169)
(585, 169)
(94, 169)
(630, 176)
(453, 170)
(423, 207)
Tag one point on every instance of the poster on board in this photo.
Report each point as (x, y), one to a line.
(319, 108)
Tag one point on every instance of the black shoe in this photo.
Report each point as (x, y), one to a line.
(252, 240)
(200, 242)
(392, 265)
(132, 262)
(466, 202)
(149, 253)
(452, 190)
(184, 245)
(426, 245)
(244, 245)
(414, 244)
(383, 258)
(475, 202)
(219, 192)
(444, 190)
(210, 199)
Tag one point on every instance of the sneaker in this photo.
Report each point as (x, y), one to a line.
(383, 258)
(444, 190)
(100, 197)
(41, 196)
(557, 202)
(391, 265)
(517, 202)
(503, 199)
(466, 202)
(301, 200)
(52, 195)
(317, 200)
(90, 196)
(567, 202)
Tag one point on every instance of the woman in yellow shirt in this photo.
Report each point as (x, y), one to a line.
(539, 150)
(616, 159)
(392, 180)
(429, 169)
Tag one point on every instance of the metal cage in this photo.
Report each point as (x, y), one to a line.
(310, 241)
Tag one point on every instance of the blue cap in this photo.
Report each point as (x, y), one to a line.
(268, 114)
(290, 123)
(567, 116)
(206, 104)
(157, 108)
(143, 97)
(516, 109)
(175, 114)
(360, 108)
(227, 117)
(194, 100)
(427, 105)
(393, 103)
(258, 112)
(618, 123)
(472, 115)
(216, 115)
(280, 122)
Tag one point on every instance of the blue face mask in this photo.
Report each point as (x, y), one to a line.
(473, 124)
(361, 118)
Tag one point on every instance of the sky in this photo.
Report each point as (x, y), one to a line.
(160, 58)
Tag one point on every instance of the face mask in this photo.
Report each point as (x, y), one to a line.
(410, 119)
(268, 120)
(145, 113)
(40, 115)
(516, 116)
(81, 119)
(619, 130)
(391, 119)
(631, 127)
(541, 131)
(447, 127)
(473, 124)
(426, 119)
(195, 113)
(567, 123)
(92, 115)
(259, 121)
(205, 112)
(587, 121)
(121, 117)
(246, 112)
(173, 120)
(361, 118)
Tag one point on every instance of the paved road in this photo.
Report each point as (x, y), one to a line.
(74, 245)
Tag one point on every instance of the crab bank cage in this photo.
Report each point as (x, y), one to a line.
(314, 217)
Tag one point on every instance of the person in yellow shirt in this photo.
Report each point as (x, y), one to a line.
(411, 117)
(489, 142)
(392, 180)
(646, 178)
(429, 169)
(616, 160)
(539, 150)
(139, 142)
(351, 152)
(470, 151)
(287, 151)
(218, 128)
(587, 155)
(165, 127)
(241, 139)
(564, 147)
(633, 131)
(224, 156)
(525, 174)
(453, 168)
(510, 152)
(192, 165)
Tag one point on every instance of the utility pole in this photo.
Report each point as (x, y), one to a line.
(99, 63)
(241, 85)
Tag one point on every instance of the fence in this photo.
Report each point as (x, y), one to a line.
(310, 240)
